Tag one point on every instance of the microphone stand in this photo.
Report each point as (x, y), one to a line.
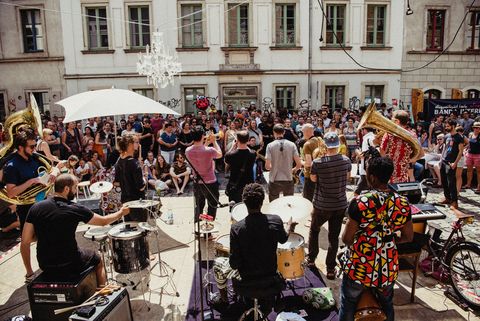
(199, 180)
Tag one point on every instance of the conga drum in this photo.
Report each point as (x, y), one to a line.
(368, 308)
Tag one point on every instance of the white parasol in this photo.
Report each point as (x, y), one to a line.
(110, 102)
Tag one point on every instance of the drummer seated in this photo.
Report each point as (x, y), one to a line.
(253, 249)
(52, 223)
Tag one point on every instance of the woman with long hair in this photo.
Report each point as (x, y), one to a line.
(180, 173)
(87, 136)
(161, 170)
(101, 143)
(230, 135)
(71, 140)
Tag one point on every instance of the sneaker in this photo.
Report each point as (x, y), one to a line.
(331, 274)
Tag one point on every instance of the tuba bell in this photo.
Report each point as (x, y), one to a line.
(26, 118)
(373, 119)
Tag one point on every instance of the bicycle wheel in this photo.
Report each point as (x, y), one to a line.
(464, 262)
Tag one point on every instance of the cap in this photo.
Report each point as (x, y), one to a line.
(476, 124)
(331, 140)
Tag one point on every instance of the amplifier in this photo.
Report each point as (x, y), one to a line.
(46, 295)
(410, 190)
(116, 308)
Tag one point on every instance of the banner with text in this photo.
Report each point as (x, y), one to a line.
(434, 107)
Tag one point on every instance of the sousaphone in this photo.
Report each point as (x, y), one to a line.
(26, 118)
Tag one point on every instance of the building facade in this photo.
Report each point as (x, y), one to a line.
(240, 51)
(429, 31)
(31, 56)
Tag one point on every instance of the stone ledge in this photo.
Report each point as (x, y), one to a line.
(98, 52)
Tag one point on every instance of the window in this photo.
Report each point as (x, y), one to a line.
(473, 94)
(285, 97)
(147, 92)
(139, 26)
(97, 28)
(42, 98)
(32, 30)
(374, 93)
(335, 24)
(285, 24)
(240, 96)
(238, 25)
(435, 29)
(432, 94)
(3, 104)
(189, 97)
(473, 31)
(376, 23)
(192, 33)
(335, 96)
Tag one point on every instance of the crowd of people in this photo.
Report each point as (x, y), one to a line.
(251, 146)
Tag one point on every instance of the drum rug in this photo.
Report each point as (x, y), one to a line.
(290, 301)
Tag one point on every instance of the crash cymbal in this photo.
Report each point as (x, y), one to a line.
(142, 203)
(101, 187)
(295, 207)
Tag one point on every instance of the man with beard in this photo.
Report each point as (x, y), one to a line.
(21, 170)
(52, 223)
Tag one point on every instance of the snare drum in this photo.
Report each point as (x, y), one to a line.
(239, 212)
(368, 308)
(222, 246)
(129, 248)
(97, 234)
(290, 257)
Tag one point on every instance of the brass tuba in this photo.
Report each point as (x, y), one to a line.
(373, 119)
(26, 118)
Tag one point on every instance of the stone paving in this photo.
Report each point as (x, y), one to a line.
(430, 301)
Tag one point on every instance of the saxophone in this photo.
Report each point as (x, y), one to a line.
(26, 118)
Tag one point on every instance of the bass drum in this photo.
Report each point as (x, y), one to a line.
(129, 248)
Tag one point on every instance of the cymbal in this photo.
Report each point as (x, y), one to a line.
(142, 203)
(208, 227)
(101, 187)
(296, 207)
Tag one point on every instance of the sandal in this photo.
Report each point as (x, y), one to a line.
(29, 278)
(331, 274)
(310, 264)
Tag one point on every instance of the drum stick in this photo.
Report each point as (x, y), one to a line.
(108, 289)
(63, 310)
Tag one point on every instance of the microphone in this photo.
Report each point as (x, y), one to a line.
(226, 204)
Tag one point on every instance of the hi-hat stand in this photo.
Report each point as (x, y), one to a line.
(197, 231)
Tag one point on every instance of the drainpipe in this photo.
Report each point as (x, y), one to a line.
(310, 14)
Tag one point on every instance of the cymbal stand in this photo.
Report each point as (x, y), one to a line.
(164, 268)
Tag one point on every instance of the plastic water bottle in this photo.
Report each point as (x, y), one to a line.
(170, 216)
(176, 315)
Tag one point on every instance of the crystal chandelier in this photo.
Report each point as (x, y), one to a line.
(157, 64)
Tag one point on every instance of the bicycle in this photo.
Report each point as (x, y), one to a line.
(457, 259)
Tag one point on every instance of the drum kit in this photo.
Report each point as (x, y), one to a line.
(126, 247)
(291, 254)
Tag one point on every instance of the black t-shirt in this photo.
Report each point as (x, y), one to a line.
(241, 167)
(288, 135)
(147, 141)
(55, 221)
(253, 245)
(450, 151)
(18, 170)
(185, 138)
(128, 172)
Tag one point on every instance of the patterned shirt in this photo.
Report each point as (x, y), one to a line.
(372, 260)
(399, 151)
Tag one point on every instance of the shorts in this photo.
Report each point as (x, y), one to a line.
(86, 259)
(7, 217)
(461, 162)
(472, 160)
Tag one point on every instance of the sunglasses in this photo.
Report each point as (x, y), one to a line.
(32, 146)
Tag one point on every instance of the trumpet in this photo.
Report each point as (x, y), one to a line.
(218, 136)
